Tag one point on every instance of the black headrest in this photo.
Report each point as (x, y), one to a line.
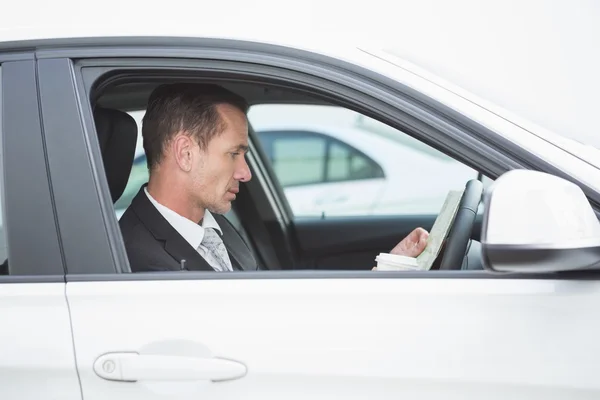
(117, 134)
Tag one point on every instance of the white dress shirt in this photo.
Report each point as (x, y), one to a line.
(192, 233)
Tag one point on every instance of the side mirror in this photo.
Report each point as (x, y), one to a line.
(537, 222)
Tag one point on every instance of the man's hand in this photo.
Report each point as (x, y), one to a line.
(413, 244)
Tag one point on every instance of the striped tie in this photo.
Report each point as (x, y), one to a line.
(217, 255)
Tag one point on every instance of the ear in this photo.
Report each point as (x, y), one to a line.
(182, 146)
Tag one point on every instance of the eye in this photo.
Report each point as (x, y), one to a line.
(235, 154)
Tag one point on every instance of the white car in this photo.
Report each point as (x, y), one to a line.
(507, 312)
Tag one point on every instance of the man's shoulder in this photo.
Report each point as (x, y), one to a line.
(133, 228)
(144, 251)
(129, 220)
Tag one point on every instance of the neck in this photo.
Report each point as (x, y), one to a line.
(173, 196)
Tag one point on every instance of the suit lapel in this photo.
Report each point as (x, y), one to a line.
(161, 229)
(235, 260)
(241, 258)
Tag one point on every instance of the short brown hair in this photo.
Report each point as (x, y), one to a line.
(184, 107)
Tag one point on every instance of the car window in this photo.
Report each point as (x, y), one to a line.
(298, 158)
(346, 164)
(308, 158)
(332, 161)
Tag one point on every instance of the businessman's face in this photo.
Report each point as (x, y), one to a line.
(221, 166)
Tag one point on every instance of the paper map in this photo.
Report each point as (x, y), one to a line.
(440, 230)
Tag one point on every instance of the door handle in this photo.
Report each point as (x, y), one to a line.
(132, 367)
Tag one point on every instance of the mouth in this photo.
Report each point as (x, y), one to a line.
(233, 193)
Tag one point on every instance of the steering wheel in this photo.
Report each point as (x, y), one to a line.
(460, 233)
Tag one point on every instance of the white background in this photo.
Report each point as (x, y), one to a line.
(537, 58)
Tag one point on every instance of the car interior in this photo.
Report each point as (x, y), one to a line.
(261, 214)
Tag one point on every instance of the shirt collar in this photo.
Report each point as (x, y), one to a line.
(192, 233)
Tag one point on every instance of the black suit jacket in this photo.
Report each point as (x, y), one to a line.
(154, 245)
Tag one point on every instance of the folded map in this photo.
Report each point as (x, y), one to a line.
(438, 234)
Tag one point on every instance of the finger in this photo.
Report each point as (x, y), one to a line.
(422, 231)
(423, 235)
(422, 244)
(415, 235)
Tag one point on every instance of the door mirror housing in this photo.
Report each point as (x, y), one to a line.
(537, 222)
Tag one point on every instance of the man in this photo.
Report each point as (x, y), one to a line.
(195, 138)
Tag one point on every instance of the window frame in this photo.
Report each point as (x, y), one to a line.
(362, 90)
(207, 275)
(33, 248)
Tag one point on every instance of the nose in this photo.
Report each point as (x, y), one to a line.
(242, 171)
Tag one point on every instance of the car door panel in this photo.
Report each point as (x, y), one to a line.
(37, 359)
(352, 242)
(343, 338)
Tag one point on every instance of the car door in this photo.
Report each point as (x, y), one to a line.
(274, 336)
(290, 334)
(37, 359)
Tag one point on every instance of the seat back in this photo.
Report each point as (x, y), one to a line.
(117, 134)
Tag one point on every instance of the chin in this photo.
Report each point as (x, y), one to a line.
(220, 209)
